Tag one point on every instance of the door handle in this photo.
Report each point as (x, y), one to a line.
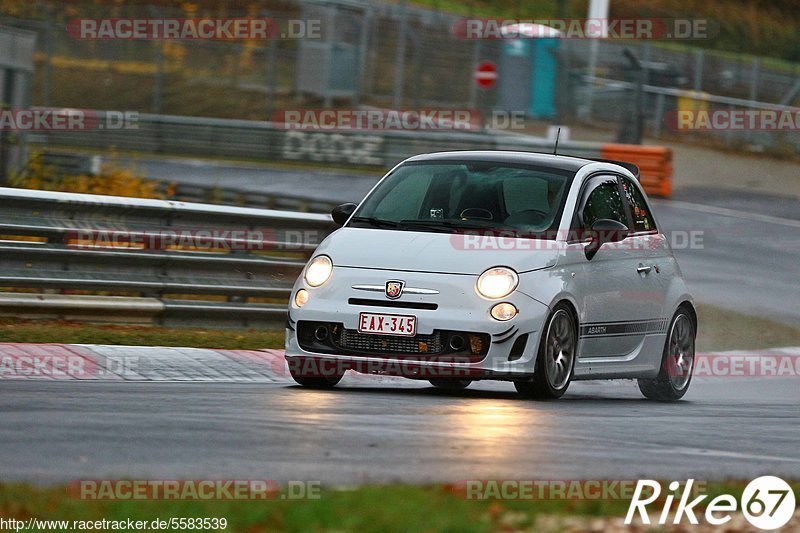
(641, 269)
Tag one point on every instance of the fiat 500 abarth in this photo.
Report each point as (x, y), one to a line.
(530, 268)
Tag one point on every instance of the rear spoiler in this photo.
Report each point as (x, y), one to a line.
(630, 167)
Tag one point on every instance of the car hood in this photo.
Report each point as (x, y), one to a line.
(435, 252)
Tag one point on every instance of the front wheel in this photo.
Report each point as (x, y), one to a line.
(555, 362)
(314, 373)
(677, 362)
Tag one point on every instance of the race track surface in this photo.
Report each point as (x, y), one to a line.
(197, 414)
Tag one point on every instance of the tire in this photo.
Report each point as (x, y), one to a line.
(308, 373)
(677, 361)
(555, 362)
(450, 383)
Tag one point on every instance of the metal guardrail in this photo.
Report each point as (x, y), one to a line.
(213, 137)
(187, 192)
(75, 255)
(73, 164)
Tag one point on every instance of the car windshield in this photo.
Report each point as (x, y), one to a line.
(455, 196)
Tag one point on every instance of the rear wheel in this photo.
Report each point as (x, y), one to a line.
(314, 373)
(450, 383)
(556, 359)
(677, 363)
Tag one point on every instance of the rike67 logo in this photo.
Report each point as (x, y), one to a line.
(768, 503)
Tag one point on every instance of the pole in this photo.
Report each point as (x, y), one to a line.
(400, 58)
(272, 76)
(598, 9)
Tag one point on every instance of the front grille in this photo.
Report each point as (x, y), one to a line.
(392, 303)
(441, 345)
(394, 344)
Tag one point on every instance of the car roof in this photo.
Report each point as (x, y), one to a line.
(562, 162)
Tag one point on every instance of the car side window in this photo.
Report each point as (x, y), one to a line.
(604, 202)
(640, 212)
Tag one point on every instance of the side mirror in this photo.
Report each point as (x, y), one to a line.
(605, 230)
(341, 213)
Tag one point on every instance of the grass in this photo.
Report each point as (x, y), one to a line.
(369, 508)
(59, 331)
(719, 330)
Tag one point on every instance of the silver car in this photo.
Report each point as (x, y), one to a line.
(530, 268)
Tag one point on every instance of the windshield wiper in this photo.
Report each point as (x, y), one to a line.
(377, 222)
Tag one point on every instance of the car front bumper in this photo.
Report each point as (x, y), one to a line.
(454, 307)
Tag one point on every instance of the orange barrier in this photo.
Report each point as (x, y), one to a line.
(654, 162)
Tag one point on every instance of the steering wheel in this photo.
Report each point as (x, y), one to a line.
(476, 213)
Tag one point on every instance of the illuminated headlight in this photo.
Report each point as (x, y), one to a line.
(504, 311)
(319, 270)
(497, 282)
(301, 298)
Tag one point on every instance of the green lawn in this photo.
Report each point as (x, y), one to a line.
(386, 508)
(720, 330)
(73, 333)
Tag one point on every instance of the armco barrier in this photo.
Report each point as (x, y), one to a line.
(251, 139)
(654, 162)
(188, 263)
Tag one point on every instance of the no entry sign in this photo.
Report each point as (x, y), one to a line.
(486, 74)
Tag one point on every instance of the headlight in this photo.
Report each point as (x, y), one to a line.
(319, 270)
(504, 311)
(301, 298)
(497, 282)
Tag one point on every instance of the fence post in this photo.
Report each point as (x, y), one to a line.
(594, 46)
(272, 75)
(400, 57)
(659, 115)
(698, 70)
(473, 86)
(755, 75)
(48, 47)
(158, 84)
(363, 44)
(330, 43)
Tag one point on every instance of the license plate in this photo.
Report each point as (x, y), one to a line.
(405, 325)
